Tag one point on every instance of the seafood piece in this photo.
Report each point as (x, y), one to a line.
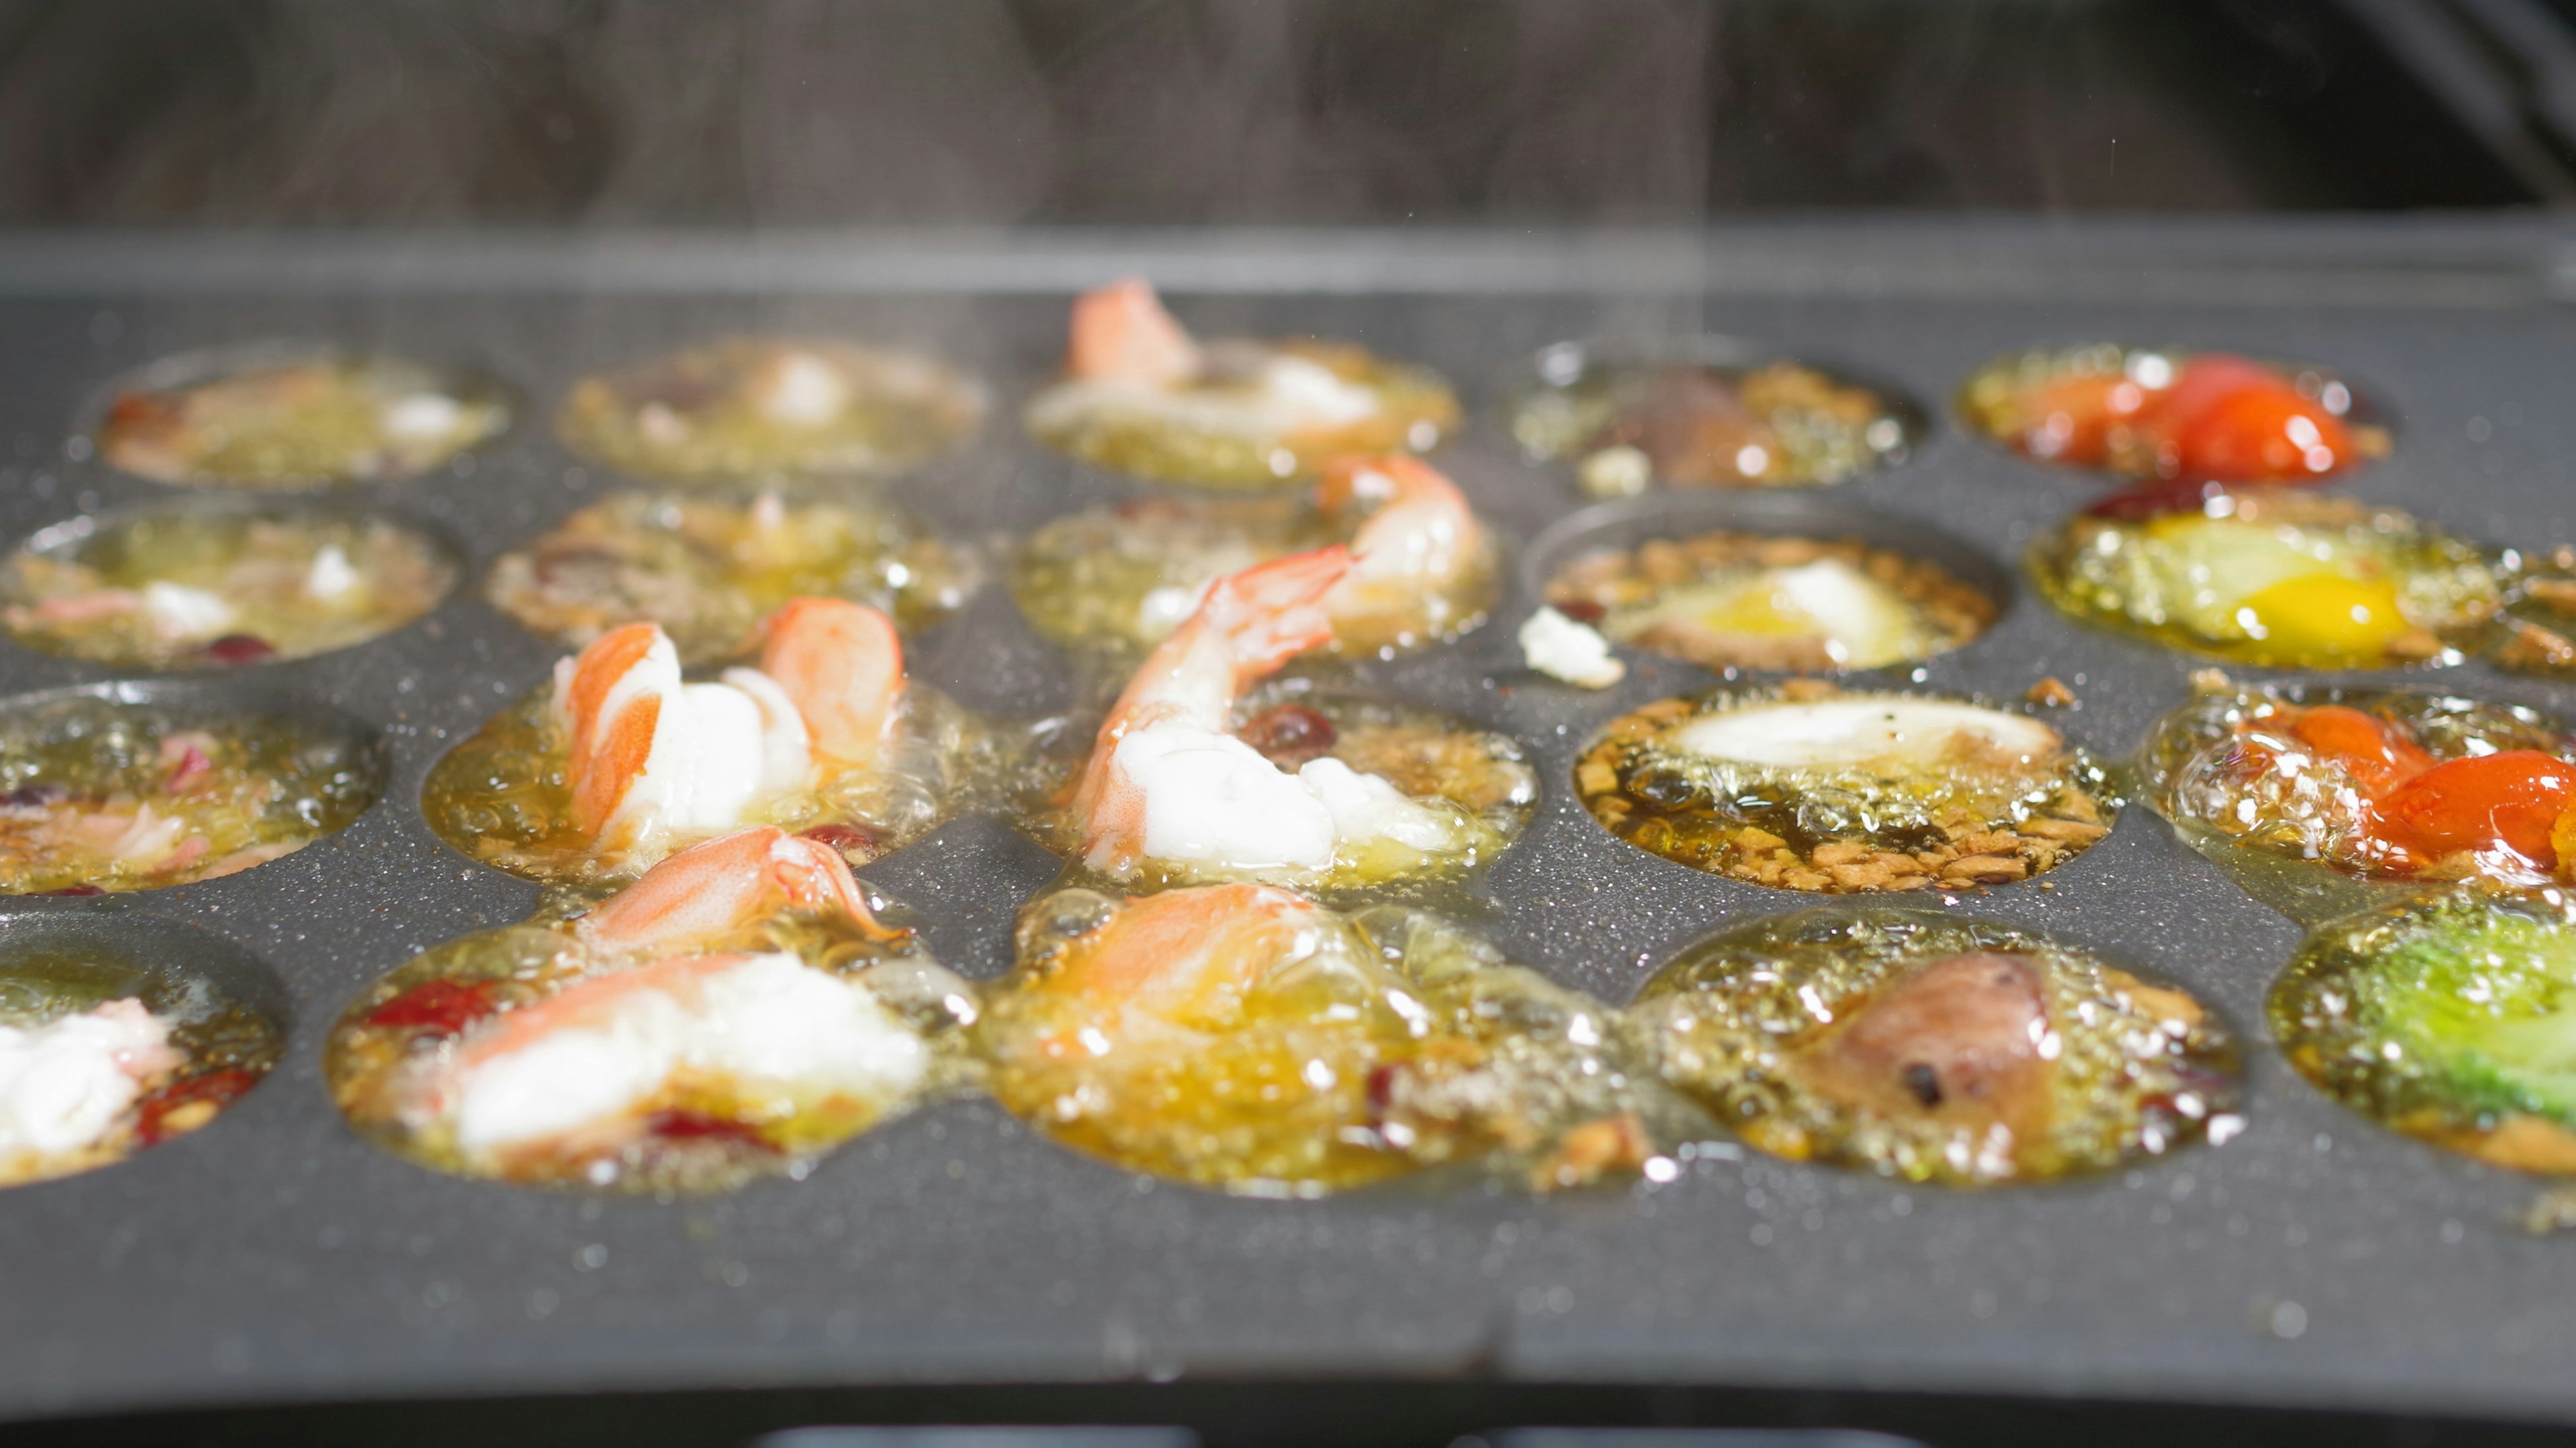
(1184, 780)
(99, 795)
(1935, 1049)
(1557, 646)
(2448, 1017)
(709, 568)
(1627, 423)
(1244, 1037)
(272, 418)
(2161, 413)
(707, 890)
(189, 586)
(2392, 786)
(1425, 570)
(2270, 577)
(624, 759)
(1141, 397)
(745, 408)
(737, 1011)
(1810, 788)
(102, 1055)
(1730, 600)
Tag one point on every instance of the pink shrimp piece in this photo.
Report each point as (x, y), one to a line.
(842, 666)
(707, 890)
(587, 1003)
(1175, 953)
(1420, 538)
(649, 752)
(1249, 625)
(83, 607)
(185, 756)
(611, 699)
(1121, 333)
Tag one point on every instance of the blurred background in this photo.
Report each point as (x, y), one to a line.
(1541, 112)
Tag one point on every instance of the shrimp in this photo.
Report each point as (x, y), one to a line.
(588, 1068)
(1419, 548)
(650, 754)
(1168, 780)
(1122, 334)
(707, 890)
(64, 1084)
(1182, 960)
(1245, 1036)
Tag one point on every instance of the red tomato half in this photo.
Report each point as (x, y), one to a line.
(2511, 799)
(2374, 751)
(2238, 421)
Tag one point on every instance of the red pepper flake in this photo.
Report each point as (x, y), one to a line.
(1290, 734)
(437, 1007)
(701, 1126)
(1582, 610)
(217, 1089)
(76, 890)
(240, 649)
(857, 845)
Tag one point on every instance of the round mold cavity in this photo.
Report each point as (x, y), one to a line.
(1561, 365)
(948, 405)
(231, 1008)
(1682, 513)
(2364, 408)
(216, 702)
(1916, 1091)
(1812, 828)
(207, 364)
(67, 537)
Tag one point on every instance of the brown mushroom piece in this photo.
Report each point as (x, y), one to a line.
(1960, 1043)
(1935, 1048)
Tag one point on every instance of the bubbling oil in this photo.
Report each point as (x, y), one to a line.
(1760, 1025)
(98, 795)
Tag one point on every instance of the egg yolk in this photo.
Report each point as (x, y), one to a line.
(2324, 615)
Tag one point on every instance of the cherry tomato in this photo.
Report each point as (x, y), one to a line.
(2237, 421)
(2070, 418)
(2375, 752)
(2511, 799)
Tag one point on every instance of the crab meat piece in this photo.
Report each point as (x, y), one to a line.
(332, 576)
(1888, 732)
(180, 612)
(800, 389)
(64, 1084)
(1560, 648)
(423, 417)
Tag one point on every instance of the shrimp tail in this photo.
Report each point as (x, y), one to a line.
(709, 890)
(841, 663)
(1248, 625)
(609, 702)
(1270, 614)
(1121, 333)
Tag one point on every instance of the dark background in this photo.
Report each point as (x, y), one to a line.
(254, 112)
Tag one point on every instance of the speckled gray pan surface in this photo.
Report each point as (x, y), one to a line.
(275, 1258)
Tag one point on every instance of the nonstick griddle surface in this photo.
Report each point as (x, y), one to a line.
(274, 1258)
